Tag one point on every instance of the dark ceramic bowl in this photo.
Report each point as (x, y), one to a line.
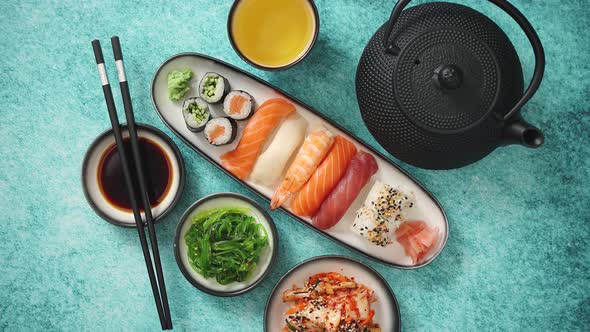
(387, 313)
(263, 67)
(94, 195)
(264, 265)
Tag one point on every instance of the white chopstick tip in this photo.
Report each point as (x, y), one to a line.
(121, 71)
(102, 72)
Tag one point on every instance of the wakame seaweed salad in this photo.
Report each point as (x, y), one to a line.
(225, 244)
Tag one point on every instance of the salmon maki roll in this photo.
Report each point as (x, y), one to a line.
(238, 105)
(261, 125)
(221, 131)
(324, 179)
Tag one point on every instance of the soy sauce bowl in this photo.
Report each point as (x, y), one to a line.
(96, 194)
(264, 264)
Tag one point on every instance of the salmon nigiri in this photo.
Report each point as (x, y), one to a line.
(314, 149)
(326, 176)
(241, 160)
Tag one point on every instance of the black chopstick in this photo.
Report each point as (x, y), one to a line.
(108, 95)
(118, 54)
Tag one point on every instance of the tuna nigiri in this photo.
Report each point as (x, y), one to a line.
(241, 160)
(312, 152)
(417, 239)
(324, 179)
(358, 173)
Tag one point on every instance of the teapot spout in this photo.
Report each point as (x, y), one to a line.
(521, 132)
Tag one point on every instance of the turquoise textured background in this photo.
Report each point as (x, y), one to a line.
(518, 255)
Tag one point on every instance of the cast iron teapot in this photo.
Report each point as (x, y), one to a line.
(440, 85)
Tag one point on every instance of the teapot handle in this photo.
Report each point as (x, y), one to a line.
(522, 22)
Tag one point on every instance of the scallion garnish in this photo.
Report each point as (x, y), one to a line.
(315, 284)
(291, 327)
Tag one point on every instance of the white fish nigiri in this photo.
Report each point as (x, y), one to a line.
(271, 163)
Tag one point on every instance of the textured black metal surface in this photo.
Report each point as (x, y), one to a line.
(440, 109)
(399, 105)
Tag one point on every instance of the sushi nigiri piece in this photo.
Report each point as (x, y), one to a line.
(391, 202)
(265, 120)
(221, 131)
(272, 161)
(417, 238)
(358, 173)
(213, 87)
(238, 105)
(371, 226)
(196, 113)
(324, 179)
(315, 147)
(387, 205)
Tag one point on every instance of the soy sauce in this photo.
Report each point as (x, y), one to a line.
(157, 168)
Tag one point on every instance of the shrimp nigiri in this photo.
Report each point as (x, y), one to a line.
(312, 152)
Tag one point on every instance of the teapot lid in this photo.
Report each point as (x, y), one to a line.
(447, 80)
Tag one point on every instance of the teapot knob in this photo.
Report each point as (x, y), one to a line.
(448, 77)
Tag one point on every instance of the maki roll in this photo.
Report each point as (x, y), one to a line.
(220, 131)
(213, 87)
(238, 105)
(196, 114)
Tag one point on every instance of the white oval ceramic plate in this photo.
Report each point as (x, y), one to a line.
(426, 207)
(387, 313)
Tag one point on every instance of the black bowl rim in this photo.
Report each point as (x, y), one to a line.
(160, 134)
(369, 269)
(185, 273)
(332, 123)
(259, 66)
